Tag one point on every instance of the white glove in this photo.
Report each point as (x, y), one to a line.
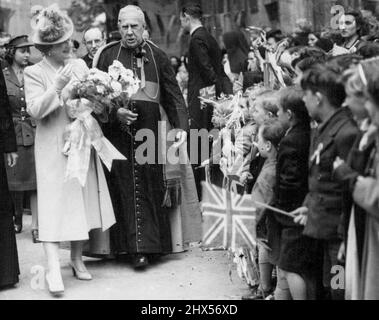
(63, 77)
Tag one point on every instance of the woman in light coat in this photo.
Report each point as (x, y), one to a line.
(66, 210)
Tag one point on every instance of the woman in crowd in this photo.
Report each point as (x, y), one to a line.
(21, 178)
(252, 62)
(352, 27)
(66, 210)
(9, 268)
(361, 174)
(354, 218)
(315, 40)
(303, 28)
(312, 39)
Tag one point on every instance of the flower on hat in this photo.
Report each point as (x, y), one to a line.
(52, 24)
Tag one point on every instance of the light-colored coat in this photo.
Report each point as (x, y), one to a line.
(66, 211)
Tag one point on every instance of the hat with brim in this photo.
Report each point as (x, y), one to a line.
(52, 26)
(20, 42)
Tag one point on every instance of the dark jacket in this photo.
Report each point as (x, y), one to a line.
(292, 172)
(7, 134)
(327, 195)
(237, 49)
(24, 125)
(88, 60)
(205, 69)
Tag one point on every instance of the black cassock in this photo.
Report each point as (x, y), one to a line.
(137, 190)
(9, 267)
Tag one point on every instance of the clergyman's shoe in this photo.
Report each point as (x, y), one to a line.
(140, 261)
(18, 224)
(18, 228)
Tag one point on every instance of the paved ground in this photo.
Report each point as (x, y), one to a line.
(184, 276)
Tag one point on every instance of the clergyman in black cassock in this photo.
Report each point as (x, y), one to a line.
(138, 190)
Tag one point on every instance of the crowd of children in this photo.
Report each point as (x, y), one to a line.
(312, 149)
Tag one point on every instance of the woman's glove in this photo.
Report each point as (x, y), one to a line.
(62, 78)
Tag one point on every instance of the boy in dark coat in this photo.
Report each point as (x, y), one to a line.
(323, 207)
(290, 248)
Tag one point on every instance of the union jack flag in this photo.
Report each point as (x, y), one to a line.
(229, 219)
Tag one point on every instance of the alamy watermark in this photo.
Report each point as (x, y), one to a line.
(337, 281)
(38, 277)
(161, 149)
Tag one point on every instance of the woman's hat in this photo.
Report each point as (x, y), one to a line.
(52, 26)
(19, 42)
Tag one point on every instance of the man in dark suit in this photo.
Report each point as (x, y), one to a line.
(323, 206)
(205, 70)
(93, 39)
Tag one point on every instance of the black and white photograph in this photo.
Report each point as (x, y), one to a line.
(208, 151)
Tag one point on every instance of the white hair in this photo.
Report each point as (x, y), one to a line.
(126, 11)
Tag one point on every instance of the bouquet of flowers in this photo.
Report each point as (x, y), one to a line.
(123, 80)
(222, 111)
(226, 111)
(104, 90)
(229, 117)
(124, 83)
(97, 92)
(97, 88)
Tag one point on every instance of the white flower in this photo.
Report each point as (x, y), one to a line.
(114, 73)
(129, 73)
(115, 70)
(100, 89)
(116, 86)
(126, 80)
(117, 64)
(122, 79)
(98, 76)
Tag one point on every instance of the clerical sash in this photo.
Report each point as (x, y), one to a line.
(151, 93)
